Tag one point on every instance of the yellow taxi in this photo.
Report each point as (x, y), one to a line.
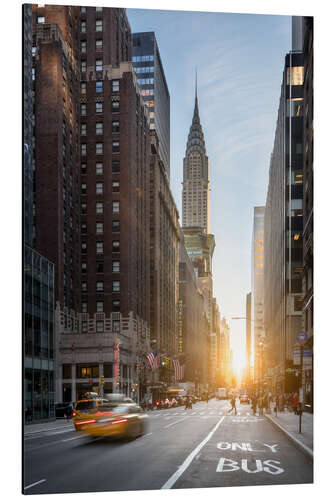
(102, 417)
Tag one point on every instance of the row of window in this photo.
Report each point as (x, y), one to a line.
(98, 45)
(142, 58)
(144, 69)
(100, 168)
(99, 128)
(100, 247)
(145, 81)
(83, 10)
(98, 26)
(100, 306)
(99, 190)
(100, 267)
(115, 106)
(100, 286)
(99, 148)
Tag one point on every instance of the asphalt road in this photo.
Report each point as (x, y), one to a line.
(199, 448)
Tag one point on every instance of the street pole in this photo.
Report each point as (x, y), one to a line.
(301, 391)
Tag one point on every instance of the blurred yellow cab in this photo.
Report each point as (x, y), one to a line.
(105, 417)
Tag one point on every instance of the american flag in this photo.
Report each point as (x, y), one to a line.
(179, 369)
(153, 359)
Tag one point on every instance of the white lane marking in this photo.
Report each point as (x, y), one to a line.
(46, 430)
(202, 413)
(193, 413)
(34, 484)
(149, 434)
(171, 481)
(75, 437)
(61, 432)
(174, 423)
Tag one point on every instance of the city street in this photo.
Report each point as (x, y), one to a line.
(198, 448)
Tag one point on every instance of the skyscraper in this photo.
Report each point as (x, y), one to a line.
(151, 79)
(257, 285)
(198, 242)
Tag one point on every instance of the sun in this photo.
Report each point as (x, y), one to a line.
(238, 363)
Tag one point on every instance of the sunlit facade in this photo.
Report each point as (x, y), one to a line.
(257, 288)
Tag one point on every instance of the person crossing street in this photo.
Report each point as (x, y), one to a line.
(233, 404)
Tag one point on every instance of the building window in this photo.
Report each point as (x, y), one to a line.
(83, 26)
(99, 148)
(116, 266)
(83, 227)
(115, 126)
(99, 247)
(99, 207)
(84, 247)
(99, 227)
(115, 147)
(115, 207)
(83, 109)
(83, 10)
(99, 286)
(99, 107)
(83, 267)
(115, 167)
(115, 106)
(99, 65)
(83, 88)
(83, 168)
(99, 86)
(99, 187)
(116, 286)
(115, 186)
(100, 326)
(83, 149)
(100, 306)
(84, 326)
(115, 85)
(83, 46)
(99, 25)
(83, 208)
(99, 44)
(99, 267)
(115, 246)
(116, 325)
(40, 20)
(83, 188)
(99, 128)
(115, 226)
(83, 129)
(99, 168)
(84, 307)
(83, 66)
(116, 305)
(84, 286)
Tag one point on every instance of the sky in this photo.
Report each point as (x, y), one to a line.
(239, 59)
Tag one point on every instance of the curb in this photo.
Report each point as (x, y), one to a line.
(305, 449)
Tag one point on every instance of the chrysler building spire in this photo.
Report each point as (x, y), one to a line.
(195, 175)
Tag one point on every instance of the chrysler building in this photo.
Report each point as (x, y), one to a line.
(195, 196)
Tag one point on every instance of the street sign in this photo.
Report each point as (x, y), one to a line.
(302, 337)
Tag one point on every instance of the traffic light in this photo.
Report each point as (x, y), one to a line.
(101, 380)
(165, 362)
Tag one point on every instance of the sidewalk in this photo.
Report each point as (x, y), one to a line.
(59, 423)
(288, 423)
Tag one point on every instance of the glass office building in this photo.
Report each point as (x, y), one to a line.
(39, 347)
(154, 89)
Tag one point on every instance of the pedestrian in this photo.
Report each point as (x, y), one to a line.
(69, 411)
(207, 397)
(150, 403)
(277, 402)
(295, 403)
(254, 404)
(233, 404)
